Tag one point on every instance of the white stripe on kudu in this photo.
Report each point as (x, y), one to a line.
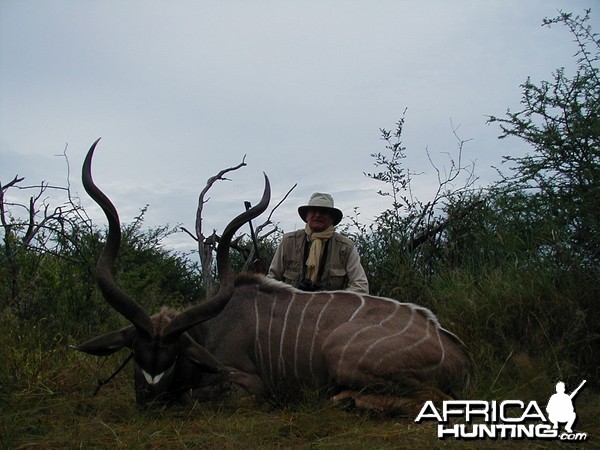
(283, 330)
(316, 333)
(297, 343)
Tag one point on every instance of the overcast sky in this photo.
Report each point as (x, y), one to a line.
(179, 90)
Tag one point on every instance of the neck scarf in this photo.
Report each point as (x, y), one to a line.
(316, 248)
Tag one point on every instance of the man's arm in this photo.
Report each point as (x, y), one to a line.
(276, 268)
(357, 278)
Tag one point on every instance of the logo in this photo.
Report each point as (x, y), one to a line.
(508, 419)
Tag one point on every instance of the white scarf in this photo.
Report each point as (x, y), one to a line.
(316, 249)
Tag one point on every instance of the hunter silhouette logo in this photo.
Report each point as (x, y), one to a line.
(506, 419)
(560, 407)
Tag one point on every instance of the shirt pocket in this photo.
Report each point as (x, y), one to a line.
(337, 277)
(337, 273)
(290, 276)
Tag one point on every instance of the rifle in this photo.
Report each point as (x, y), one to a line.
(574, 393)
(258, 265)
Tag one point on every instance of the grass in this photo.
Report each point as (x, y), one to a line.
(62, 413)
(47, 401)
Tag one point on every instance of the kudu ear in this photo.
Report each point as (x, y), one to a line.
(199, 355)
(109, 343)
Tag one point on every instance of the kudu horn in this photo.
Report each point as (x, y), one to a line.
(112, 293)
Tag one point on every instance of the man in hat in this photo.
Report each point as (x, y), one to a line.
(317, 258)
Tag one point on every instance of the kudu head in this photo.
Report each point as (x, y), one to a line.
(163, 351)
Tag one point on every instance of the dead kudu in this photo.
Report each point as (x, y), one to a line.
(262, 337)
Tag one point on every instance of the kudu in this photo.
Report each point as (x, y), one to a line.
(263, 337)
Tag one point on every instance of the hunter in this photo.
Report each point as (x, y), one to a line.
(317, 258)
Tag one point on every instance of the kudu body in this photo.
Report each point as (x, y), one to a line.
(264, 337)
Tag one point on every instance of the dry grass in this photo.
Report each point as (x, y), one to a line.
(46, 401)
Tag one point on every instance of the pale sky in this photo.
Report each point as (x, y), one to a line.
(181, 89)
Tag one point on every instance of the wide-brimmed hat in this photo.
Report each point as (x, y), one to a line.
(321, 200)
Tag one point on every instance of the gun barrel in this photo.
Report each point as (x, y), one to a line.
(577, 390)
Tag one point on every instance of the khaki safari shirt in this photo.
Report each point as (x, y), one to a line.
(342, 268)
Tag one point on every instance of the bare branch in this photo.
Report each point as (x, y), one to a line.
(207, 246)
(15, 180)
(268, 222)
(209, 183)
(189, 233)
